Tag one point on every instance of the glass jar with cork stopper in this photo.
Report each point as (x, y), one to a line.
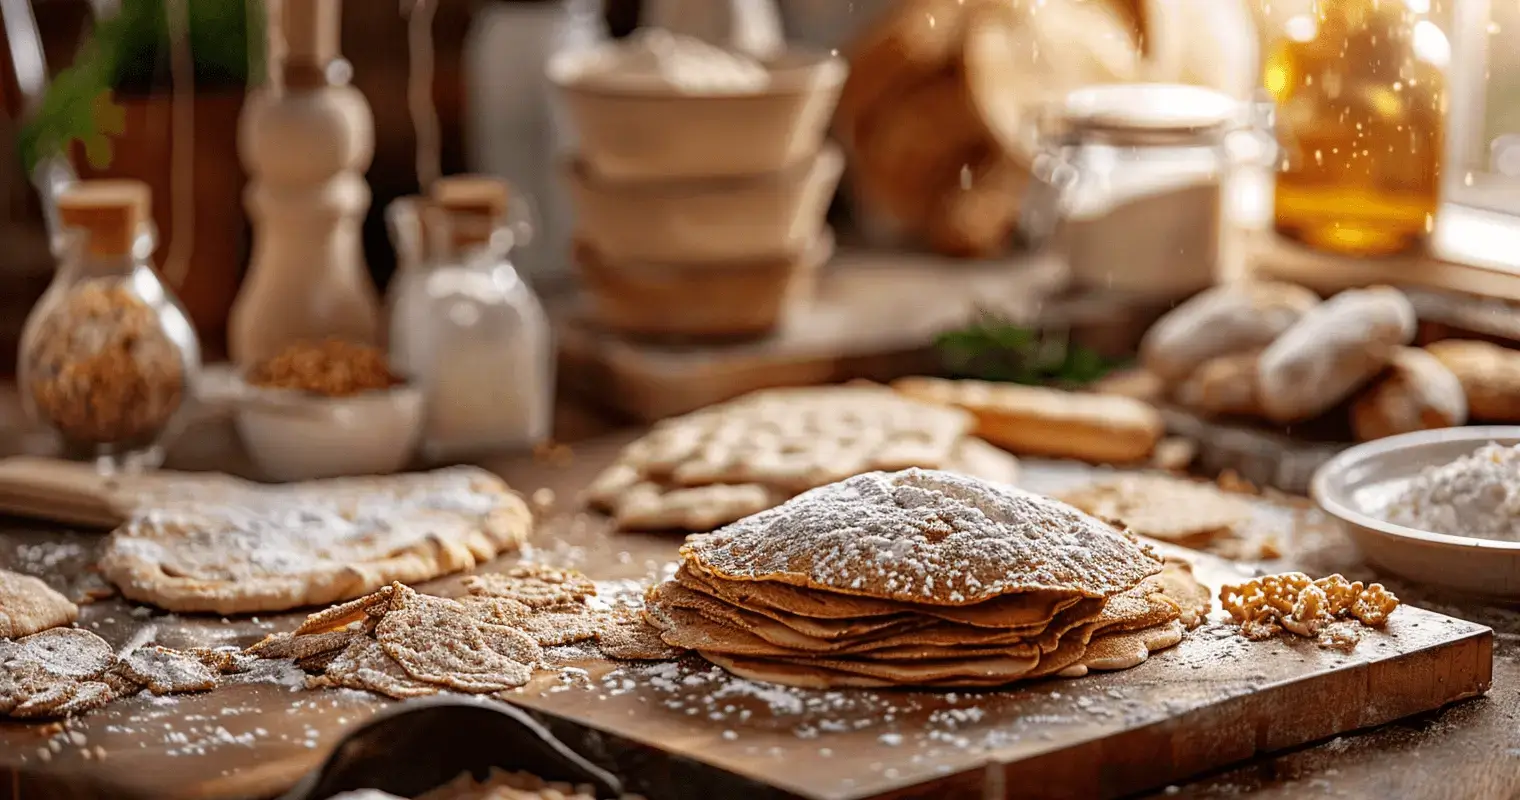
(465, 327)
(108, 356)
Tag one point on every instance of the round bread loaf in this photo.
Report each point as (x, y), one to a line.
(1222, 385)
(1489, 374)
(1331, 351)
(1418, 393)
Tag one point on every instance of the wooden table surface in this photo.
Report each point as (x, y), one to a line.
(1469, 751)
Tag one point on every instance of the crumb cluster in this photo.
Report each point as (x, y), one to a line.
(1292, 601)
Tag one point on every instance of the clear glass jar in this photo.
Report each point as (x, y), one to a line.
(469, 332)
(1360, 87)
(1132, 184)
(108, 358)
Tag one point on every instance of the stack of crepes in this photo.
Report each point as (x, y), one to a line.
(922, 578)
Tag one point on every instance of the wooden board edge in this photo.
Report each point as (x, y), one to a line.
(1146, 757)
(1207, 739)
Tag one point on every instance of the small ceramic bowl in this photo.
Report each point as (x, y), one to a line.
(706, 302)
(293, 436)
(771, 216)
(1355, 485)
(659, 132)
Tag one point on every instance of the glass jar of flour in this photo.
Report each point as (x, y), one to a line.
(465, 326)
(1134, 187)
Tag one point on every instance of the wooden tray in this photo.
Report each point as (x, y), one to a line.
(875, 316)
(685, 730)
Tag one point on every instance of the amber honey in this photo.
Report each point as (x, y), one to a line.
(1361, 95)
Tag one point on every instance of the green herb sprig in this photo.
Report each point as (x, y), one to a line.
(129, 51)
(994, 349)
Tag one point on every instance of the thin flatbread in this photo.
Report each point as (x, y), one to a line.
(27, 606)
(1163, 507)
(261, 549)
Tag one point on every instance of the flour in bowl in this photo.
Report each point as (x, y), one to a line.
(1476, 495)
(653, 58)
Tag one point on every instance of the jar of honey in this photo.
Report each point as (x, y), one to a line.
(1360, 93)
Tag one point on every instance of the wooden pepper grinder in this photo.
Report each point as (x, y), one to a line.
(306, 139)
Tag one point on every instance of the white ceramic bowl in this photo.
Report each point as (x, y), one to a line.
(658, 132)
(296, 437)
(773, 216)
(1354, 485)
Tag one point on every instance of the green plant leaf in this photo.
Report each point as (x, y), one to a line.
(110, 116)
(131, 50)
(995, 350)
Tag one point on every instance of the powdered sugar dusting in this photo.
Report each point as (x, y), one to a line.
(249, 548)
(926, 536)
(1476, 495)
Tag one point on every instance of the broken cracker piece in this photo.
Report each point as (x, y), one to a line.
(289, 645)
(166, 671)
(343, 614)
(535, 586)
(437, 641)
(630, 638)
(365, 665)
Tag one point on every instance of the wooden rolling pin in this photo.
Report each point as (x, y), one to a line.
(74, 493)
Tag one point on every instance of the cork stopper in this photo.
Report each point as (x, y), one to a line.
(113, 213)
(311, 30)
(476, 205)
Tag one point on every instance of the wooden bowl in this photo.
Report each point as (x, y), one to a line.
(764, 217)
(1356, 484)
(698, 302)
(658, 132)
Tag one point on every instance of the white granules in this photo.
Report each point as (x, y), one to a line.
(925, 535)
(658, 58)
(1477, 495)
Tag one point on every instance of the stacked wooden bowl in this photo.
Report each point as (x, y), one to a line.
(700, 208)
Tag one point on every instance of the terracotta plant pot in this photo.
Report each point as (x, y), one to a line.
(220, 249)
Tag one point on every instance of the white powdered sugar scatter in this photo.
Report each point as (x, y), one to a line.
(1477, 495)
(924, 534)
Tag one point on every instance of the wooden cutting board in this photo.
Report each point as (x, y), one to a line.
(875, 316)
(685, 730)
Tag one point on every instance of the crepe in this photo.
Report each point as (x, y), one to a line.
(922, 578)
(271, 549)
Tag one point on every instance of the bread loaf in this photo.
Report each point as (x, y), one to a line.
(1222, 385)
(1331, 351)
(914, 39)
(1489, 374)
(1049, 422)
(1221, 321)
(1417, 393)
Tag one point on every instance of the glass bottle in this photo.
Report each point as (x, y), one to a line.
(1360, 89)
(108, 357)
(515, 128)
(465, 327)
